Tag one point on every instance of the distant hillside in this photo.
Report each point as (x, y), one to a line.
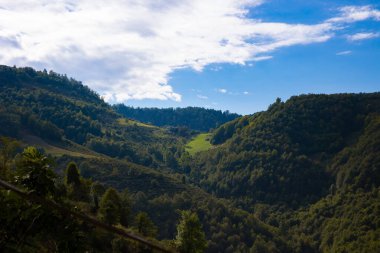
(310, 166)
(285, 153)
(195, 118)
(60, 109)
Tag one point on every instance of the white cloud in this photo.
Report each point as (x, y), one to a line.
(350, 14)
(128, 49)
(245, 92)
(202, 96)
(362, 36)
(222, 90)
(262, 58)
(344, 52)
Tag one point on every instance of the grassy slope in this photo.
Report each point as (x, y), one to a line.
(129, 122)
(59, 149)
(200, 143)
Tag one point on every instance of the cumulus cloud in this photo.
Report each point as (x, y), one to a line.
(222, 90)
(362, 36)
(128, 49)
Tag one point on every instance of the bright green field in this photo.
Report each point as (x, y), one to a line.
(200, 143)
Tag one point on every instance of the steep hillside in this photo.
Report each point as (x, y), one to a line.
(284, 154)
(59, 109)
(347, 219)
(72, 123)
(309, 166)
(194, 118)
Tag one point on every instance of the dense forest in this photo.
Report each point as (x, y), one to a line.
(60, 109)
(195, 118)
(302, 176)
(310, 166)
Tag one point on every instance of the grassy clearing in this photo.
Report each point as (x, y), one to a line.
(200, 143)
(128, 122)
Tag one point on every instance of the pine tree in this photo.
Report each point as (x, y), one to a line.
(77, 187)
(145, 225)
(110, 207)
(190, 236)
(72, 174)
(97, 190)
(125, 208)
(35, 173)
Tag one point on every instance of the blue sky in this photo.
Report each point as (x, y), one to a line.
(300, 69)
(239, 55)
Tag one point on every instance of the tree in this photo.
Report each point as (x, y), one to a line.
(97, 190)
(8, 148)
(35, 172)
(110, 207)
(77, 187)
(72, 174)
(145, 225)
(190, 236)
(125, 208)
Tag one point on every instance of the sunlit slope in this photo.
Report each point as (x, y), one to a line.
(199, 143)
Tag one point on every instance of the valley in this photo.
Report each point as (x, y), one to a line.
(302, 176)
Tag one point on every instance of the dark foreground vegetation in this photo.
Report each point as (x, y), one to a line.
(45, 217)
(303, 176)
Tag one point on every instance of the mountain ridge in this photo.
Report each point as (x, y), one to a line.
(281, 180)
(207, 119)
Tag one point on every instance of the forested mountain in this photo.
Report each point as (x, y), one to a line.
(287, 152)
(321, 150)
(302, 176)
(70, 123)
(194, 118)
(59, 109)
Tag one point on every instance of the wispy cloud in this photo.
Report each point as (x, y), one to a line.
(128, 49)
(245, 92)
(222, 90)
(344, 52)
(350, 14)
(202, 96)
(262, 58)
(362, 36)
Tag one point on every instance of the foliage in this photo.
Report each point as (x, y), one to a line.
(110, 207)
(302, 176)
(30, 227)
(72, 174)
(61, 110)
(8, 148)
(97, 190)
(190, 237)
(195, 118)
(145, 225)
(284, 153)
(35, 172)
(125, 210)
